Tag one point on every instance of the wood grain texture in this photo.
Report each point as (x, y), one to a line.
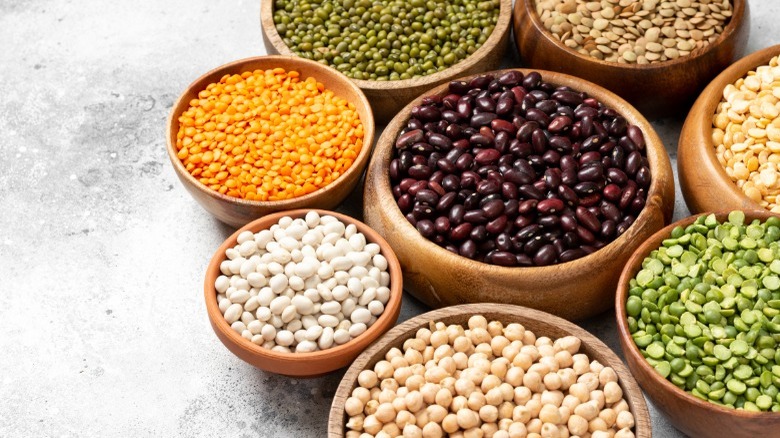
(655, 89)
(542, 324)
(573, 290)
(237, 212)
(388, 97)
(704, 182)
(692, 416)
(301, 364)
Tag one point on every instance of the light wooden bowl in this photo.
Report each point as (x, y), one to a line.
(704, 182)
(542, 324)
(655, 89)
(694, 417)
(236, 211)
(574, 290)
(388, 97)
(301, 364)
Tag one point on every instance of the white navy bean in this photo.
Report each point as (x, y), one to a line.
(376, 307)
(238, 327)
(233, 313)
(340, 293)
(278, 304)
(221, 284)
(328, 321)
(341, 336)
(360, 315)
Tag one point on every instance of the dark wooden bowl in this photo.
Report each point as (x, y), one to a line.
(301, 364)
(574, 290)
(704, 182)
(236, 211)
(655, 89)
(388, 97)
(694, 417)
(542, 324)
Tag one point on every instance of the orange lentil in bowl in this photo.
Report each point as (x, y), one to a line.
(268, 135)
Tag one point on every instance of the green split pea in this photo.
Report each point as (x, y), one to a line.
(704, 311)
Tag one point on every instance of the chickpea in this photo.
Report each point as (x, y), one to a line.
(489, 429)
(514, 376)
(461, 360)
(399, 362)
(522, 360)
(421, 418)
(403, 418)
(356, 422)
(467, 419)
(612, 392)
(514, 331)
(588, 410)
(554, 398)
(438, 339)
(477, 321)
(577, 425)
(624, 420)
(414, 382)
(436, 374)
(367, 379)
(498, 343)
(424, 334)
(491, 381)
(580, 366)
(414, 401)
(570, 343)
(565, 414)
(545, 350)
(533, 381)
(607, 374)
(509, 352)
(540, 368)
(375, 393)
(458, 403)
(399, 403)
(479, 335)
(505, 423)
(453, 332)
(522, 395)
(450, 423)
(474, 432)
(427, 354)
(521, 414)
(518, 430)
(568, 378)
(362, 394)
(443, 397)
(597, 424)
(385, 413)
(352, 434)
(448, 364)
(429, 391)
(531, 351)
(484, 349)
(412, 431)
(596, 367)
(372, 425)
(570, 402)
(401, 374)
(609, 416)
(413, 357)
(564, 359)
(499, 367)
(590, 380)
(534, 426)
(507, 391)
(494, 397)
(552, 381)
(353, 406)
(624, 433)
(550, 414)
(436, 413)
(371, 406)
(600, 434)
(534, 405)
(383, 434)
(550, 430)
(389, 384)
(393, 352)
(414, 344)
(386, 396)
(488, 413)
(392, 430)
(432, 430)
(620, 406)
(476, 400)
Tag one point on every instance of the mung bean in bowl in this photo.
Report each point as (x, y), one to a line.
(657, 54)
(267, 134)
(730, 143)
(302, 292)
(466, 175)
(488, 370)
(393, 50)
(697, 312)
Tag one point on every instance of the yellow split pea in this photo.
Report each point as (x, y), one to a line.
(268, 135)
(746, 134)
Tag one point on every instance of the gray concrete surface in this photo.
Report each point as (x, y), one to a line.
(103, 330)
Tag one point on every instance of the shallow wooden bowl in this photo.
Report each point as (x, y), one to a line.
(301, 364)
(704, 182)
(691, 415)
(574, 290)
(236, 211)
(542, 324)
(655, 89)
(388, 97)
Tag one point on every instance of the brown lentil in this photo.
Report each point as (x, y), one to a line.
(639, 30)
(746, 134)
(268, 135)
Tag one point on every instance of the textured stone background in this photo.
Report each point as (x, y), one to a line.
(103, 330)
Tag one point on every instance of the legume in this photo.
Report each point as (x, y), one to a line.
(629, 31)
(705, 311)
(515, 171)
(303, 285)
(746, 134)
(487, 379)
(268, 135)
(386, 39)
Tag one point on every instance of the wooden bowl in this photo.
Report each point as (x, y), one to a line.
(236, 211)
(704, 182)
(388, 97)
(542, 324)
(655, 89)
(694, 417)
(301, 364)
(574, 290)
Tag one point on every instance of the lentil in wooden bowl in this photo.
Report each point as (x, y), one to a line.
(475, 367)
(253, 279)
(685, 335)
(706, 185)
(494, 216)
(664, 86)
(264, 138)
(388, 96)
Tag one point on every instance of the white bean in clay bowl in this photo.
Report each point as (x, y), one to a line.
(303, 285)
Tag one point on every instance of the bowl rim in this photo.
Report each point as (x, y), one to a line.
(635, 398)
(624, 335)
(698, 124)
(503, 24)
(239, 66)
(219, 323)
(738, 10)
(659, 164)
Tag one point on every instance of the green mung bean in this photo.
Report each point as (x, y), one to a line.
(704, 309)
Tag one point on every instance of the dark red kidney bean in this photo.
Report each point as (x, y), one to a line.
(414, 124)
(618, 157)
(412, 220)
(431, 100)
(519, 93)
(461, 144)
(502, 141)
(478, 234)
(503, 125)
(486, 104)
(568, 195)
(623, 227)
(618, 126)
(504, 242)
(461, 232)
(503, 258)
(559, 245)
(504, 106)
(429, 113)
(643, 177)
(629, 192)
(546, 255)
(568, 222)
(451, 248)
(552, 179)
(427, 196)
(510, 78)
(587, 157)
(585, 188)
(612, 192)
(456, 214)
(488, 187)
(524, 260)
(570, 98)
(454, 132)
(406, 183)
(420, 171)
(522, 222)
(547, 106)
(475, 217)
(459, 87)
(588, 219)
(551, 157)
(395, 169)
(528, 191)
(561, 144)
(568, 162)
(419, 159)
(590, 200)
(636, 136)
(450, 101)
(633, 163)
(528, 232)
(405, 203)
(481, 81)
(493, 209)
(627, 145)
(446, 202)
(591, 173)
(533, 245)
(528, 206)
(526, 130)
(591, 143)
(608, 229)
(549, 221)
(409, 138)
(497, 225)
(417, 186)
(481, 140)
(541, 186)
(397, 193)
(585, 111)
(637, 205)
(421, 211)
(616, 176)
(486, 156)
(532, 80)
(550, 206)
(510, 208)
(559, 124)
(611, 212)
(472, 201)
(468, 249)
(509, 190)
(440, 141)
(537, 115)
(571, 239)
(539, 141)
(464, 162)
(451, 183)
(426, 228)
(585, 235)
(464, 108)
(571, 254)
(482, 119)
(586, 126)
(445, 165)
(487, 246)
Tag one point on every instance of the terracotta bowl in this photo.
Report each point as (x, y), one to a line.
(236, 211)
(388, 97)
(301, 364)
(655, 89)
(691, 415)
(542, 324)
(574, 290)
(704, 182)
